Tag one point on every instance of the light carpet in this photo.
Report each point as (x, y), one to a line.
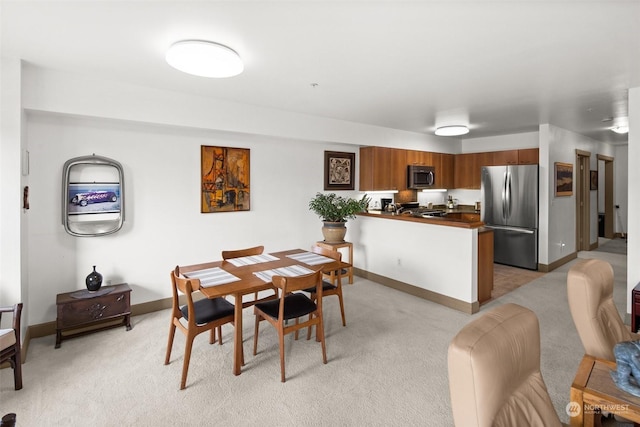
(388, 367)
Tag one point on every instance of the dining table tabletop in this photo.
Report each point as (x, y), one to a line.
(248, 275)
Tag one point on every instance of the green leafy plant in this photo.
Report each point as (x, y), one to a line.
(333, 208)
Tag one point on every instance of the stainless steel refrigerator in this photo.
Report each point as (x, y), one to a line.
(510, 207)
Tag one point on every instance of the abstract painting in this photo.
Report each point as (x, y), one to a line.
(339, 170)
(224, 179)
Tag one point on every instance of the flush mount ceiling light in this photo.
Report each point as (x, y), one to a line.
(204, 58)
(620, 129)
(454, 130)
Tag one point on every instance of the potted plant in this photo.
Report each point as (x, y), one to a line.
(335, 211)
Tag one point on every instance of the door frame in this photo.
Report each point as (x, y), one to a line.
(583, 201)
(609, 212)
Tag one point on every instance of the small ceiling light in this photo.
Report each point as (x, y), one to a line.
(204, 58)
(620, 129)
(454, 130)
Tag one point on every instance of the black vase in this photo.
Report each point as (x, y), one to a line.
(93, 280)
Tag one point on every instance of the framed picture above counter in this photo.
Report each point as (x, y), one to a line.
(339, 170)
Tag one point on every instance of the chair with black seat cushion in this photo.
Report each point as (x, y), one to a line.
(329, 288)
(10, 347)
(292, 305)
(200, 316)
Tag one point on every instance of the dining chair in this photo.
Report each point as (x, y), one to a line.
(328, 288)
(292, 305)
(239, 253)
(10, 347)
(200, 316)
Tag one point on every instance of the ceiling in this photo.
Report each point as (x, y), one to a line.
(500, 66)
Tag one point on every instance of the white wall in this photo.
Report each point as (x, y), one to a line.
(512, 141)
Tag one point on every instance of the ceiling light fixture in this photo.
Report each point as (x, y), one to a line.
(454, 130)
(620, 129)
(204, 58)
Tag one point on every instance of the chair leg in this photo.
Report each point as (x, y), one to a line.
(187, 358)
(17, 370)
(172, 332)
(320, 334)
(344, 322)
(309, 328)
(281, 339)
(255, 335)
(212, 335)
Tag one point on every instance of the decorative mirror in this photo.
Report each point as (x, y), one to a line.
(92, 196)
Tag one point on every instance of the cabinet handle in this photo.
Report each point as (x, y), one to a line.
(120, 298)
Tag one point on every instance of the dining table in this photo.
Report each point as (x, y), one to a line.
(247, 275)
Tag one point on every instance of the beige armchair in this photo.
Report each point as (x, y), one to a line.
(590, 294)
(494, 371)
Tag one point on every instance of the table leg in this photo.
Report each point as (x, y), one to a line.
(238, 350)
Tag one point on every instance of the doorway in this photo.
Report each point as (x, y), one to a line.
(605, 195)
(583, 201)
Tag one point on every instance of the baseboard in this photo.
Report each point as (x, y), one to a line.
(593, 246)
(456, 304)
(545, 268)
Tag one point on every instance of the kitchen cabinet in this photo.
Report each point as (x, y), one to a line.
(528, 156)
(507, 157)
(463, 170)
(485, 264)
(415, 157)
(443, 164)
(380, 169)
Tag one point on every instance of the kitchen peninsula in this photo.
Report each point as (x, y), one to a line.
(445, 260)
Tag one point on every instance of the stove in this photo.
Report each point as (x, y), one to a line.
(425, 212)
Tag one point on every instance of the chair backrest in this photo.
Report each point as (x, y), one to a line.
(10, 337)
(330, 253)
(590, 294)
(257, 250)
(186, 287)
(494, 371)
(288, 285)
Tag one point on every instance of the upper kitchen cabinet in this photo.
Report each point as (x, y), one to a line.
(443, 164)
(528, 156)
(421, 158)
(508, 157)
(382, 169)
(463, 170)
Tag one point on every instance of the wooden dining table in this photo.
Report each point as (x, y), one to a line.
(249, 283)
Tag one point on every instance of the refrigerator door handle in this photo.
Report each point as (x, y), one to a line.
(516, 229)
(504, 196)
(508, 194)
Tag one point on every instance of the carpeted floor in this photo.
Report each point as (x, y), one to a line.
(388, 367)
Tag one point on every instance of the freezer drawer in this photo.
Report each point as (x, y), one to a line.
(515, 246)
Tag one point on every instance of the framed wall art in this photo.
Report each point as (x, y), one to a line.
(563, 179)
(225, 180)
(339, 170)
(594, 179)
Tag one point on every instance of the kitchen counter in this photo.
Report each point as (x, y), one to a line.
(440, 259)
(444, 220)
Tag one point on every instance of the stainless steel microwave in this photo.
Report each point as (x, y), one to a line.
(420, 177)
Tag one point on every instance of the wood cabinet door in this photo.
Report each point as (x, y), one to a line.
(398, 169)
(463, 170)
(366, 169)
(528, 156)
(381, 168)
(423, 158)
(443, 164)
(508, 157)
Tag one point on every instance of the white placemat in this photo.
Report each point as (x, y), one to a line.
(252, 259)
(311, 258)
(290, 271)
(212, 277)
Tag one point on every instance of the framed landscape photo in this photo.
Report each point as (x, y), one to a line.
(563, 179)
(339, 170)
